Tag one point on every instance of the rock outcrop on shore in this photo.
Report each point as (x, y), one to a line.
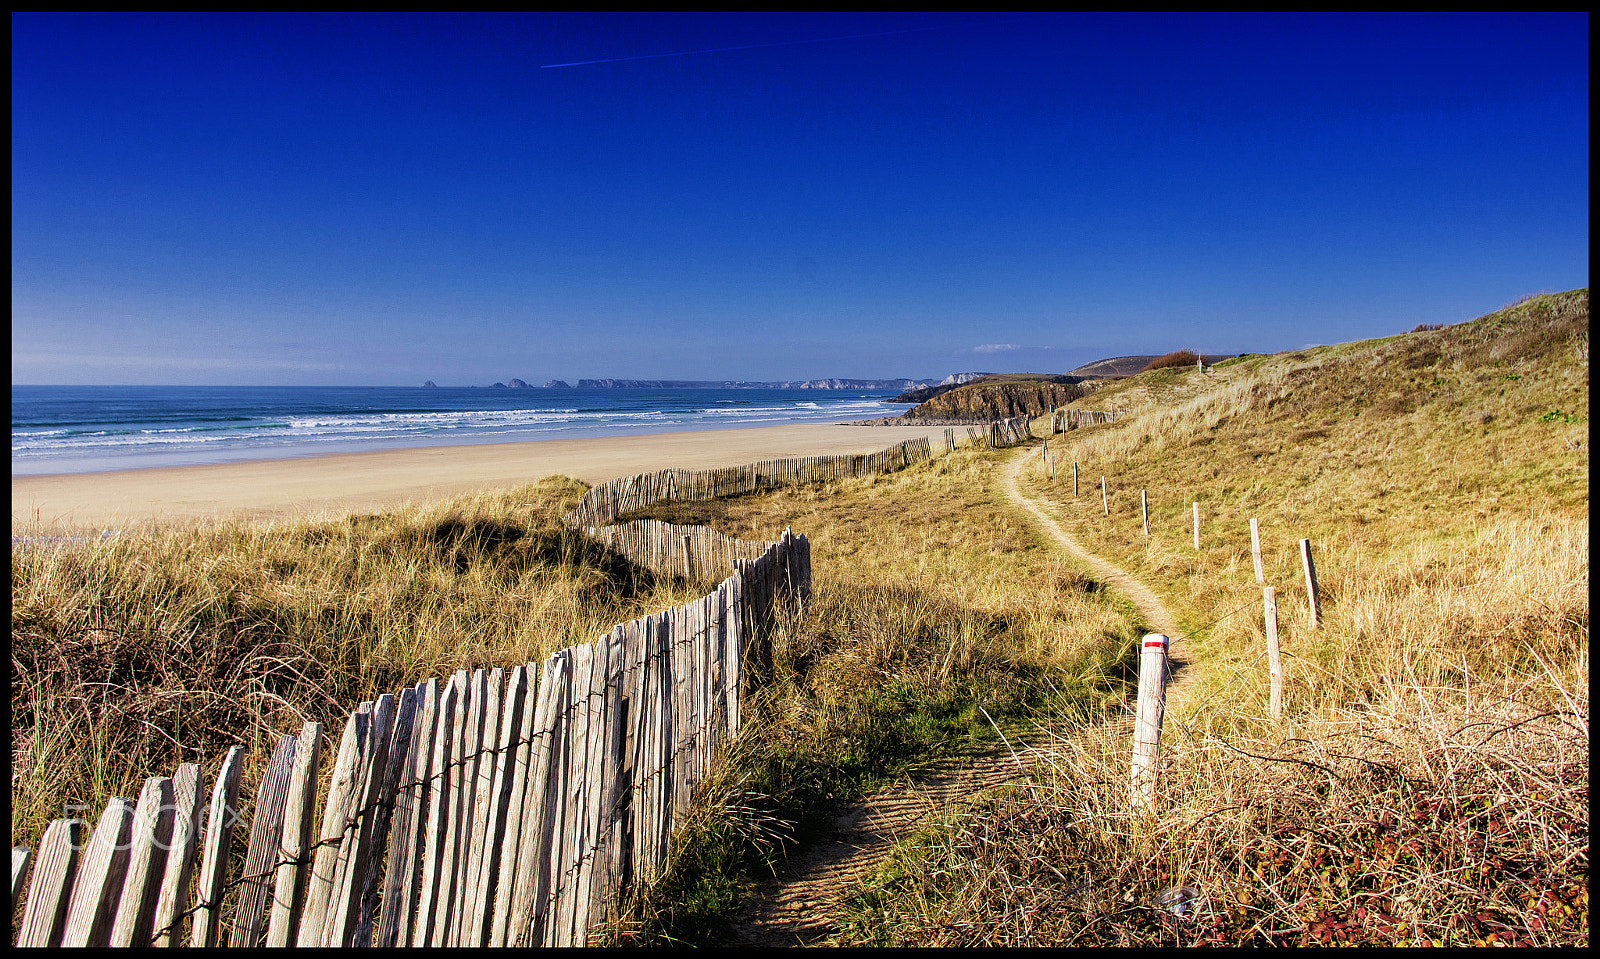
(996, 400)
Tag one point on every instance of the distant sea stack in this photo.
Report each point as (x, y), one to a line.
(557, 385)
(430, 385)
(517, 384)
(498, 386)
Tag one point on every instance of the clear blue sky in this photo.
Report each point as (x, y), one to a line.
(381, 200)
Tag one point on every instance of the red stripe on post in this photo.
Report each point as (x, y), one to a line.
(1155, 645)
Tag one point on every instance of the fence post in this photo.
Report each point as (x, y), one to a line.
(1255, 549)
(1074, 478)
(1144, 511)
(688, 564)
(1311, 582)
(1197, 527)
(1105, 504)
(1269, 602)
(1147, 723)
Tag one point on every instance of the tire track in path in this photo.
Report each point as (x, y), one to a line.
(800, 905)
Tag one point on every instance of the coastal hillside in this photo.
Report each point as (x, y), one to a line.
(1118, 366)
(1426, 781)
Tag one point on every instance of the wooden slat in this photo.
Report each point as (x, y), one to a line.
(596, 855)
(432, 867)
(266, 835)
(574, 800)
(20, 857)
(526, 925)
(356, 852)
(404, 873)
(187, 798)
(151, 837)
(349, 830)
(341, 790)
(221, 820)
(471, 756)
(517, 803)
(99, 881)
(471, 923)
(294, 840)
(44, 915)
(512, 702)
(396, 767)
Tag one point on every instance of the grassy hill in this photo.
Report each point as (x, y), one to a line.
(1428, 780)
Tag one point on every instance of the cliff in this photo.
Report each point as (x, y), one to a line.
(990, 399)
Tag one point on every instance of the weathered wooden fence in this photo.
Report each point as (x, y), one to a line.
(1063, 420)
(606, 501)
(995, 434)
(491, 809)
(693, 552)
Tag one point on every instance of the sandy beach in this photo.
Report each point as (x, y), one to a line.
(78, 502)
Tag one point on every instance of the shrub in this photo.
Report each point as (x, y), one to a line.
(1425, 327)
(1179, 358)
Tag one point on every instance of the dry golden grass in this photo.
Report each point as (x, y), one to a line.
(133, 654)
(1429, 779)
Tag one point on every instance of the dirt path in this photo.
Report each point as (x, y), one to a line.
(799, 907)
(1149, 605)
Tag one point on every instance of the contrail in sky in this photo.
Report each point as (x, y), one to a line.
(748, 46)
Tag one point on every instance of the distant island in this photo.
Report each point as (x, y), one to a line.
(824, 384)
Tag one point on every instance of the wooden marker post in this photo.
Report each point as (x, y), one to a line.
(1147, 723)
(1269, 603)
(1197, 527)
(1255, 549)
(1311, 582)
(688, 565)
(1105, 503)
(1144, 511)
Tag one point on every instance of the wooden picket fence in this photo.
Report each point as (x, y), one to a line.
(606, 501)
(491, 809)
(693, 552)
(1063, 420)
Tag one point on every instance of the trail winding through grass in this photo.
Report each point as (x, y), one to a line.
(800, 906)
(1144, 599)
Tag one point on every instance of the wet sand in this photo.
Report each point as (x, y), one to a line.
(69, 503)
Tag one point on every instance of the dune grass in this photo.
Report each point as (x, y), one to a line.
(133, 654)
(1428, 783)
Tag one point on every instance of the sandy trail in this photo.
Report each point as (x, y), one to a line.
(800, 906)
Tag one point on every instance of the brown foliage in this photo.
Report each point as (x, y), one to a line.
(1177, 358)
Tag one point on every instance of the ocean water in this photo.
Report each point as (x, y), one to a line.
(82, 429)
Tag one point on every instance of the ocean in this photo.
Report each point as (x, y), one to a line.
(86, 429)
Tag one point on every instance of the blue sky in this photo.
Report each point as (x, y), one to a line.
(381, 200)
